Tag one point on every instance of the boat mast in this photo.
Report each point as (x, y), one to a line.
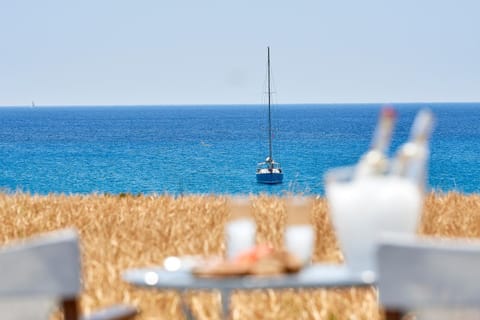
(269, 116)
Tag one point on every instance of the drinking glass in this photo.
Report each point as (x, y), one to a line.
(240, 229)
(363, 207)
(299, 238)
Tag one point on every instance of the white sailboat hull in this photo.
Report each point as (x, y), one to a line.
(269, 177)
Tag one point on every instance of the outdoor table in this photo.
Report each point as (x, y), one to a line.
(312, 277)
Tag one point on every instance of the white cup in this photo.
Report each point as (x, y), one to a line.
(300, 241)
(299, 237)
(240, 236)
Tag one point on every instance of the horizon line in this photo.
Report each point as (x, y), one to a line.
(234, 104)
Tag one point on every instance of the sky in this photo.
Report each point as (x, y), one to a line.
(156, 52)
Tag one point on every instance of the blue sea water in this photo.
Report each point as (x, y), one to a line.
(214, 149)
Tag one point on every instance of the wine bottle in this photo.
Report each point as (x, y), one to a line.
(375, 160)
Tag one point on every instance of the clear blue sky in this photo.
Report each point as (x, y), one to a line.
(109, 52)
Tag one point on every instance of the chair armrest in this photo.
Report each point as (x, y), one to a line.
(115, 312)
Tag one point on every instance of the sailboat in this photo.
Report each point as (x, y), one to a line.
(269, 171)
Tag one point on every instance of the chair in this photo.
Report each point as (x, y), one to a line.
(43, 272)
(432, 276)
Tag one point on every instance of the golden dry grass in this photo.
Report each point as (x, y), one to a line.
(124, 232)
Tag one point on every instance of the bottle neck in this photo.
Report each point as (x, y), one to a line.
(422, 127)
(411, 160)
(375, 160)
(383, 134)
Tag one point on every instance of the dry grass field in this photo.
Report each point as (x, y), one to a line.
(137, 231)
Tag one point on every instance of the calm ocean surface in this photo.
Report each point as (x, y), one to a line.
(214, 149)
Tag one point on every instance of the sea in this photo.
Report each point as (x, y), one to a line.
(214, 149)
